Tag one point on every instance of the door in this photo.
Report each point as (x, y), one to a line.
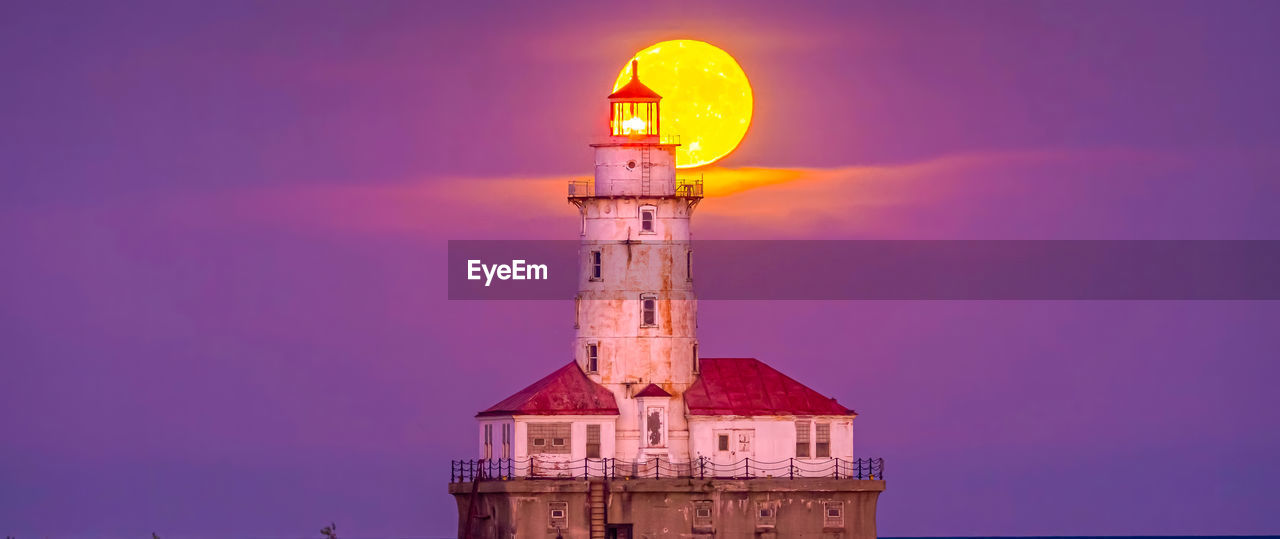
(733, 448)
(617, 531)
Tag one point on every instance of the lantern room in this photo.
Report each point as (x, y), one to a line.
(634, 108)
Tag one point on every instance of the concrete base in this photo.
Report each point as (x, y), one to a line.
(753, 508)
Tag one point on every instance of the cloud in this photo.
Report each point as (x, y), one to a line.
(1096, 194)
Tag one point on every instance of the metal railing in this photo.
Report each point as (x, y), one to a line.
(462, 471)
(581, 188)
(689, 188)
(587, 188)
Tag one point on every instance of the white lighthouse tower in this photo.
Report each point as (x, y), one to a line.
(636, 323)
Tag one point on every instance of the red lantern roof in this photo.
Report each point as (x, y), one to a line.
(634, 89)
(748, 387)
(567, 391)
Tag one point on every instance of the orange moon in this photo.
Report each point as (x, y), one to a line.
(706, 97)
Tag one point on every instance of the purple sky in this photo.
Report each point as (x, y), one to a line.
(222, 295)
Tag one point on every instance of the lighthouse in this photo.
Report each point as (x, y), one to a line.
(636, 321)
(637, 435)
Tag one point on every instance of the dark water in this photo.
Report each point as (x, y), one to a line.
(956, 537)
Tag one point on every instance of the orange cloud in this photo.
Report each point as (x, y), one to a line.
(936, 198)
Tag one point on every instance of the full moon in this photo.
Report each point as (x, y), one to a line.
(706, 98)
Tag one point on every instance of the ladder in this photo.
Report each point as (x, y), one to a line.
(595, 497)
(472, 502)
(644, 170)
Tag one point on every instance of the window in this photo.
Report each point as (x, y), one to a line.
(701, 514)
(506, 440)
(833, 515)
(646, 219)
(695, 357)
(593, 357)
(488, 441)
(802, 439)
(688, 265)
(766, 514)
(597, 272)
(823, 446)
(593, 441)
(654, 432)
(722, 442)
(548, 438)
(648, 311)
(557, 515)
(577, 311)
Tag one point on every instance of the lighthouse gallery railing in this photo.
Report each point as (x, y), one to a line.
(701, 468)
(586, 188)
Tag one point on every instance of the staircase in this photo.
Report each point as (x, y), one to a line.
(645, 165)
(595, 497)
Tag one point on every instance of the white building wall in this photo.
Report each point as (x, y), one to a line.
(577, 436)
(496, 422)
(774, 438)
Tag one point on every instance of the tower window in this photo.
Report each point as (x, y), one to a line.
(647, 214)
(488, 441)
(695, 357)
(648, 311)
(688, 265)
(802, 439)
(593, 441)
(593, 357)
(597, 271)
(506, 441)
(822, 448)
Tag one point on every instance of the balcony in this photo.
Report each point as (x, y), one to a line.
(587, 189)
(465, 471)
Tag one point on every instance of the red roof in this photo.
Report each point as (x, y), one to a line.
(567, 391)
(634, 89)
(748, 387)
(652, 390)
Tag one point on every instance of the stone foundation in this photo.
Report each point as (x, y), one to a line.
(687, 508)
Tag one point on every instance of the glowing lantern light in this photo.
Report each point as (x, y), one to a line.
(635, 108)
(634, 125)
